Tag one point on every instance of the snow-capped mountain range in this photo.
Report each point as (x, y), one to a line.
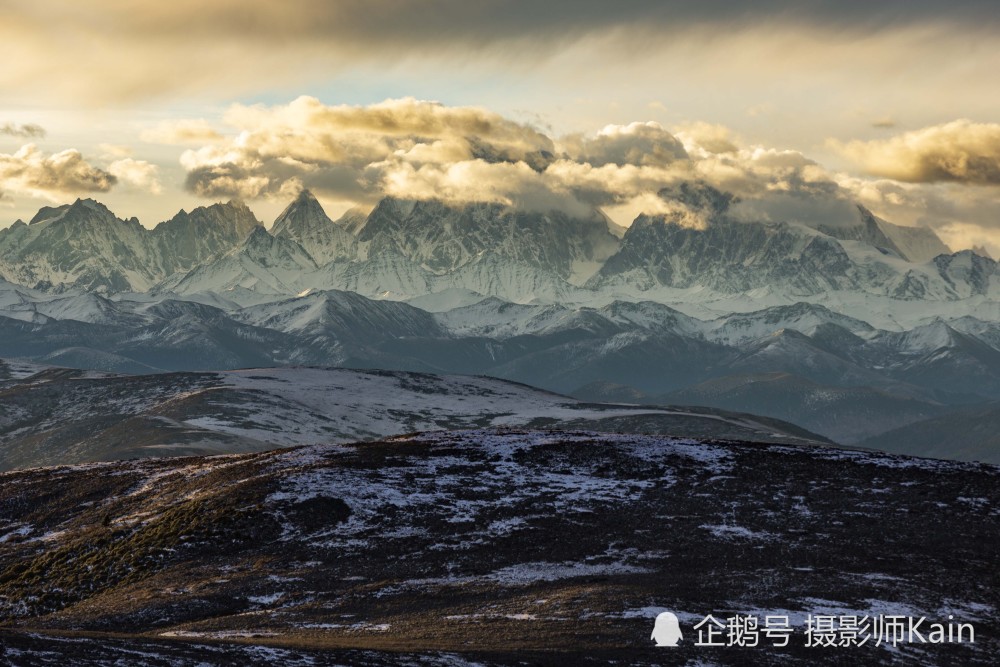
(415, 249)
(84, 245)
(571, 304)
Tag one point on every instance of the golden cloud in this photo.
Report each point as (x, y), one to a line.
(962, 216)
(700, 137)
(193, 131)
(132, 50)
(138, 174)
(424, 150)
(310, 131)
(32, 172)
(960, 151)
(643, 144)
(354, 151)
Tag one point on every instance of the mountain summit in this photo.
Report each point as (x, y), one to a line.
(84, 245)
(305, 222)
(443, 237)
(913, 244)
(406, 249)
(190, 239)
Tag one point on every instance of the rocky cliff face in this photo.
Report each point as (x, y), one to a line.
(83, 245)
(726, 256)
(306, 223)
(189, 240)
(913, 244)
(443, 237)
(78, 245)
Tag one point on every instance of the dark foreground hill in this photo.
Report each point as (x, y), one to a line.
(492, 547)
(56, 416)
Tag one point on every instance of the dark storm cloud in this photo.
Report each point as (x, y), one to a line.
(444, 21)
(136, 50)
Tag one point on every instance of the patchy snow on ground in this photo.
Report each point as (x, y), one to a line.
(726, 532)
(341, 405)
(529, 573)
(439, 482)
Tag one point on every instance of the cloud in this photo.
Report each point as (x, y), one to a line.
(333, 148)
(512, 183)
(311, 131)
(138, 174)
(960, 151)
(418, 149)
(700, 137)
(422, 150)
(425, 150)
(139, 50)
(757, 171)
(962, 216)
(651, 204)
(32, 172)
(963, 235)
(114, 151)
(25, 131)
(778, 185)
(884, 123)
(194, 131)
(643, 144)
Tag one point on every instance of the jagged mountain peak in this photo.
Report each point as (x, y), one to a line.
(304, 210)
(47, 213)
(190, 239)
(269, 250)
(234, 213)
(89, 203)
(82, 244)
(977, 249)
(913, 244)
(443, 236)
(699, 196)
(258, 236)
(261, 263)
(79, 210)
(305, 222)
(305, 195)
(237, 206)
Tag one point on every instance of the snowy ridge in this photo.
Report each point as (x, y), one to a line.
(263, 263)
(443, 238)
(867, 268)
(913, 244)
(306, 223)
(84, 245)
(56, 415)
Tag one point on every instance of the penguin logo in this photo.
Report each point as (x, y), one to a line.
(666, 631)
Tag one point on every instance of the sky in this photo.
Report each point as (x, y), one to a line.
(802, 109)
